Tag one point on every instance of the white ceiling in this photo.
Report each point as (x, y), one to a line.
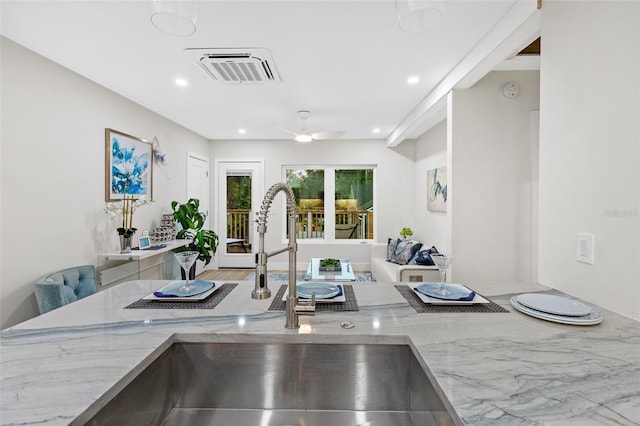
(345, 61)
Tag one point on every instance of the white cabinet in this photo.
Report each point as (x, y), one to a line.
(115, 268)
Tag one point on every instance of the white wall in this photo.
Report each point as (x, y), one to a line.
(395, 188)
(590, 150)
(53, 178)
(490, 180)
(431, 153)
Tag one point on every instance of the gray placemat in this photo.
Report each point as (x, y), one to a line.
(421, 307)
(208, 303)
(350, 305)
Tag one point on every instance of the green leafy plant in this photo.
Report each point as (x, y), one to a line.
(192, 221)
(329, 263)
(406, 232)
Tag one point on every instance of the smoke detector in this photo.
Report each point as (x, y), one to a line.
(237, 66)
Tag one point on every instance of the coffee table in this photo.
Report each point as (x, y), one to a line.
(345, 273)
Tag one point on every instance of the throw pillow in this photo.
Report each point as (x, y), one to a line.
(392, 243)
(423, 257)
(405, 251)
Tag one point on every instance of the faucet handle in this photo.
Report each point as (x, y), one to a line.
(307, 307)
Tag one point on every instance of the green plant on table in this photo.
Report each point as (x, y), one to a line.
(328, 263)
(204, 241)
(406, 232)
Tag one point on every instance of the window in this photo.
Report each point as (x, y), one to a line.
(333, 203)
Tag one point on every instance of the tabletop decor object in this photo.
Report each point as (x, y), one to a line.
(209, 302)
(125, 207)
(557, 309)
(192, 221)
(330, 264)
(186, 259)
(350, 303)
(406, 232)
(443, 262)
(421, 307)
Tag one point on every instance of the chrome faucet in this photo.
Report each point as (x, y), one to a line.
(261, 290)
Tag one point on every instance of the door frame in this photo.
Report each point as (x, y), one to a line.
(237, 260)
(206, 207)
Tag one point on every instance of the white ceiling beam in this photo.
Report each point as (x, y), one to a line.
(519, 27)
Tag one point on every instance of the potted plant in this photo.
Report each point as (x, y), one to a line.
(192, 221)
(406, 232)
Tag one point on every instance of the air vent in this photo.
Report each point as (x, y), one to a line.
(237, 66)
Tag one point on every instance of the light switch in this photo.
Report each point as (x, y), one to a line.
(585, 248)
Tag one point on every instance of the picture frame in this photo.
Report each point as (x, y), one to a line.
(437, 190)
(144, 242)
(128, 166)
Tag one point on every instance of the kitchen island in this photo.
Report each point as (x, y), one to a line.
(494, 368)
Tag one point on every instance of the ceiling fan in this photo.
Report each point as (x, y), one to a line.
(304, 135)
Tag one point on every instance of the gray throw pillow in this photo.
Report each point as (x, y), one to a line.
(405, 251)
(392, 243)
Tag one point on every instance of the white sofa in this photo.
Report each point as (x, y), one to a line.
(392, 272)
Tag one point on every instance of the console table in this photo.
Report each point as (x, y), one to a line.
(158, 264)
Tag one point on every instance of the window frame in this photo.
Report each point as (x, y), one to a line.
(329, 202)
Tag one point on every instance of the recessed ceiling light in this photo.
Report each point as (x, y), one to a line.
(413, 79)
(376, 130)
(181, 82)
(242, 131)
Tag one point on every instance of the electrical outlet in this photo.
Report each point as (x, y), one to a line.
(584, 252)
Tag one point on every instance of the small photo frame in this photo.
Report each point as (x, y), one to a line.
(128, 166)
(144, 243)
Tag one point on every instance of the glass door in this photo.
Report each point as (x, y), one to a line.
(239, 195)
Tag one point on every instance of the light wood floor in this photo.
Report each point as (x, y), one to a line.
(225, 274)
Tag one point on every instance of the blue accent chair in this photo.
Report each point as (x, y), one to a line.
(63, 287)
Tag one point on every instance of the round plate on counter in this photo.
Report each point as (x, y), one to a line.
(592, 318)
(322, 290)
(556, 305)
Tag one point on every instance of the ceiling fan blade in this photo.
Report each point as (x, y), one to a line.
(284, 129)
(327, 135)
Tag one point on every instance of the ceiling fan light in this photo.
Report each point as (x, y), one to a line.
(303, 137)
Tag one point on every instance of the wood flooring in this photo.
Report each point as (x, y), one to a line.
(225, 274)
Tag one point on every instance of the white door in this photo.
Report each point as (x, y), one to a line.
(198, 186)
(239, 198)
(198, 182)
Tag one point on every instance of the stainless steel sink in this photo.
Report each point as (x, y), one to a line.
(266, 384)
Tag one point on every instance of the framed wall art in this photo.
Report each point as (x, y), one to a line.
(128, 166)
(437, 190)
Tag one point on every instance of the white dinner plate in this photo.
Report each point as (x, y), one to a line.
(434, 301)
(593, 318)
(336, 299)
(556, 305)
(322, 290)
(195, 298)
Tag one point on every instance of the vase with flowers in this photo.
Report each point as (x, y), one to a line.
(126, 207)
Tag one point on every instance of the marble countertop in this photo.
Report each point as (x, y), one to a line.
(495, 368)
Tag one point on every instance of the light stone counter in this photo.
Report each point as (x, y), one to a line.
(495, 368)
